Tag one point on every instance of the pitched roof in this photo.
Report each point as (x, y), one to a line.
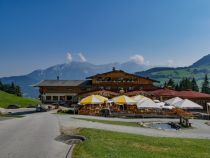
(189, 94)
(61, 83)
(192, 94)
(164, 92)
(97, 75)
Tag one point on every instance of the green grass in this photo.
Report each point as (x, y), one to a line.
(106, 144)
(133, 124)
(8, 99)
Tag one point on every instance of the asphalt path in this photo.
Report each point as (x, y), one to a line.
(32, 136)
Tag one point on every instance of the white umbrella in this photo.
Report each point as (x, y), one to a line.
(174, 100)
(169, 107)
(147, 103)
(160, 104)
(157, 101)
(163, 105)
(138, 97)
(110, 101)
(187, 104)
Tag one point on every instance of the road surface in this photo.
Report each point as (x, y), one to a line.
(31, 136)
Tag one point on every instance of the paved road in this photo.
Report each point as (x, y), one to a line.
(200, 130)
(31, 137)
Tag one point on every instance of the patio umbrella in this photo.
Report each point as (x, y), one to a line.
(147, 103)
(123, 99)
(110, 101)
(187, 104)
(174, 100)
(160, 104)
(93, 99)
(163, 105)
(169, 107)
(138, 97)
(102, 97)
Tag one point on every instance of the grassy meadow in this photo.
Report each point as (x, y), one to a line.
(107, 144)
(8, 99)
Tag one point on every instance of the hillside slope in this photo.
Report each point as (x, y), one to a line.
(197, 70)
(177, 74)
(204, 61)
(9, 99)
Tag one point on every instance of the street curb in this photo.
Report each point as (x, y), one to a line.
(70, 154)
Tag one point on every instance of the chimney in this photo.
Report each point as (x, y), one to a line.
(113, 69)
(57, 77)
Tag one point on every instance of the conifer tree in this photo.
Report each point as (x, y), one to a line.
(1, 86)
(205, 86)
(185, 84)
(11, 88)
(171, 83)
(165, 84)
(177, 88)
(194, 85)
(18, 91)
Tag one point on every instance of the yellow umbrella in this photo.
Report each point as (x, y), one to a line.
(102, 97)
(123, 99)
(93, 99)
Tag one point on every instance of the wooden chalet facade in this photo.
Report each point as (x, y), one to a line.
(116, 81)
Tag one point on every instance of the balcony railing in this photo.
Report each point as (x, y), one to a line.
(115, 81)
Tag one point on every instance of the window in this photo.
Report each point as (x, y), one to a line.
(48, 97)
(62, 98)
(55, 97)
(69, 97)
(99, 79)
(141, 88)
(131, 88)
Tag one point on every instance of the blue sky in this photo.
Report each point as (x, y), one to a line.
(37, 34)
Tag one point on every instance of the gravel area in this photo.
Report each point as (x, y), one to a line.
(199, 130)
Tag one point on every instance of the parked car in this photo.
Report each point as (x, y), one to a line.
(41, 108)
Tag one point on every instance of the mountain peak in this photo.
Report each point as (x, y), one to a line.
(204, 61)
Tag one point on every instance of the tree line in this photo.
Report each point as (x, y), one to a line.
(11, 88)
(187, 83)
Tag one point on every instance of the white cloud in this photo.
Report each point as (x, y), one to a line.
(69, 58)
(138, 59)
(82, 57)
(170, 63)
